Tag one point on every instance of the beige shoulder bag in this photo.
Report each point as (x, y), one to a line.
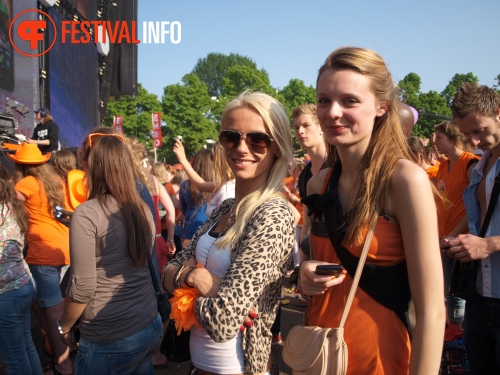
(322, 351)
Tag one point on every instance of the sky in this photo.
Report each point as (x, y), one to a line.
(291, 39)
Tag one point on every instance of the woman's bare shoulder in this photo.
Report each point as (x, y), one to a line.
(315, 183)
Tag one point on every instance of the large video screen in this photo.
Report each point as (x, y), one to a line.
(18, 73)
(74, 87)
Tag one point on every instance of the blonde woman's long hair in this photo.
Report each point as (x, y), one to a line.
(278, 125)
(387, 144)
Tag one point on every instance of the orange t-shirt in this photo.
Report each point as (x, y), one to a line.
(452, 184)
(48, 240)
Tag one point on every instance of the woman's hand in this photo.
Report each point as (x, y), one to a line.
(179, 152)
(171, 248)
(207, 283)
(312, 284)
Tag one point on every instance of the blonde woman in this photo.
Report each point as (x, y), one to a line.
(242, 249)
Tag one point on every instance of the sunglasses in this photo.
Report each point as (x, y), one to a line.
(256, 141)
(93, 136)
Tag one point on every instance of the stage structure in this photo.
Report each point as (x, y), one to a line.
(73, 80)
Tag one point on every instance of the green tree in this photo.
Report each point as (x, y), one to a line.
(409, 89)
(295, 94)
(433, 109)
(212, 68)
(188, 112)
(451, 89)
(239, 78)
(497, 85)
(136, 112)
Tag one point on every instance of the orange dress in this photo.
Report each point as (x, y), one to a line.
(452, 184)
(377, 340)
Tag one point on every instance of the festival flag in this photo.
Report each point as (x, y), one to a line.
(118, 123)
(156, 118)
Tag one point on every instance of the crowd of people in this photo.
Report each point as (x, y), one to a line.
(228, 224)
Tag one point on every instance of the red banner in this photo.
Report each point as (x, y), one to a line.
(118, 123)
(156, 118)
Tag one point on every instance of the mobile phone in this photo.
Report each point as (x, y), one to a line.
(179, 137)
(58, 212)
(329, 269)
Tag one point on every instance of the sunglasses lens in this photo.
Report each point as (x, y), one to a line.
(229, 139)
(258, 141)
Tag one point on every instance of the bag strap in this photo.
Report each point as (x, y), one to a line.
(357, 276)
(154, 280)
(491, 206)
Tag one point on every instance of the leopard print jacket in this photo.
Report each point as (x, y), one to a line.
(254, 279)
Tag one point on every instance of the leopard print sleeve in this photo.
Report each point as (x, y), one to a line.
(253, 279)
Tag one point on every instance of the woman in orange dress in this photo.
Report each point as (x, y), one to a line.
(372, 181)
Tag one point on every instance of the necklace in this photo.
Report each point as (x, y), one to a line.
(230, 223)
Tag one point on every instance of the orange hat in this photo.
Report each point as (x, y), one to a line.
(178, 167)
(29, 154)
(76, 188)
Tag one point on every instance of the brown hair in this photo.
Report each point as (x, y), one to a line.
(63, 162)
(203, 165)
(306, 109)
(222, 172)
(110, 172)
(160, 172)
(11, 203)
(387, 144)
(473, 98)
(451, 131)
(47, 176)
(4, 173)
(139, 153)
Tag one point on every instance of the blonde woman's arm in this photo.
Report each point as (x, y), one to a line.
(411, 203)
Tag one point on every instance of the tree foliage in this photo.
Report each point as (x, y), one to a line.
(295, 94)
(136, 112)
(451, 89)
(193, 107)
(213, 68)
(187, 109)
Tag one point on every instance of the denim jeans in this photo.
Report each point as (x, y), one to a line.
(17, 350)
(131, 355)
(48, 284)
(455, 307)
(482, 335)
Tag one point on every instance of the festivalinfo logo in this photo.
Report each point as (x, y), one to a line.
(102, 33)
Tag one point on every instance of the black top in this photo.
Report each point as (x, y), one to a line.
(49, 131)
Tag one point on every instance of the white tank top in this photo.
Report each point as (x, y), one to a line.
(206, 354)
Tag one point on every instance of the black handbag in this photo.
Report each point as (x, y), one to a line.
(463, 275)
(175, 347)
